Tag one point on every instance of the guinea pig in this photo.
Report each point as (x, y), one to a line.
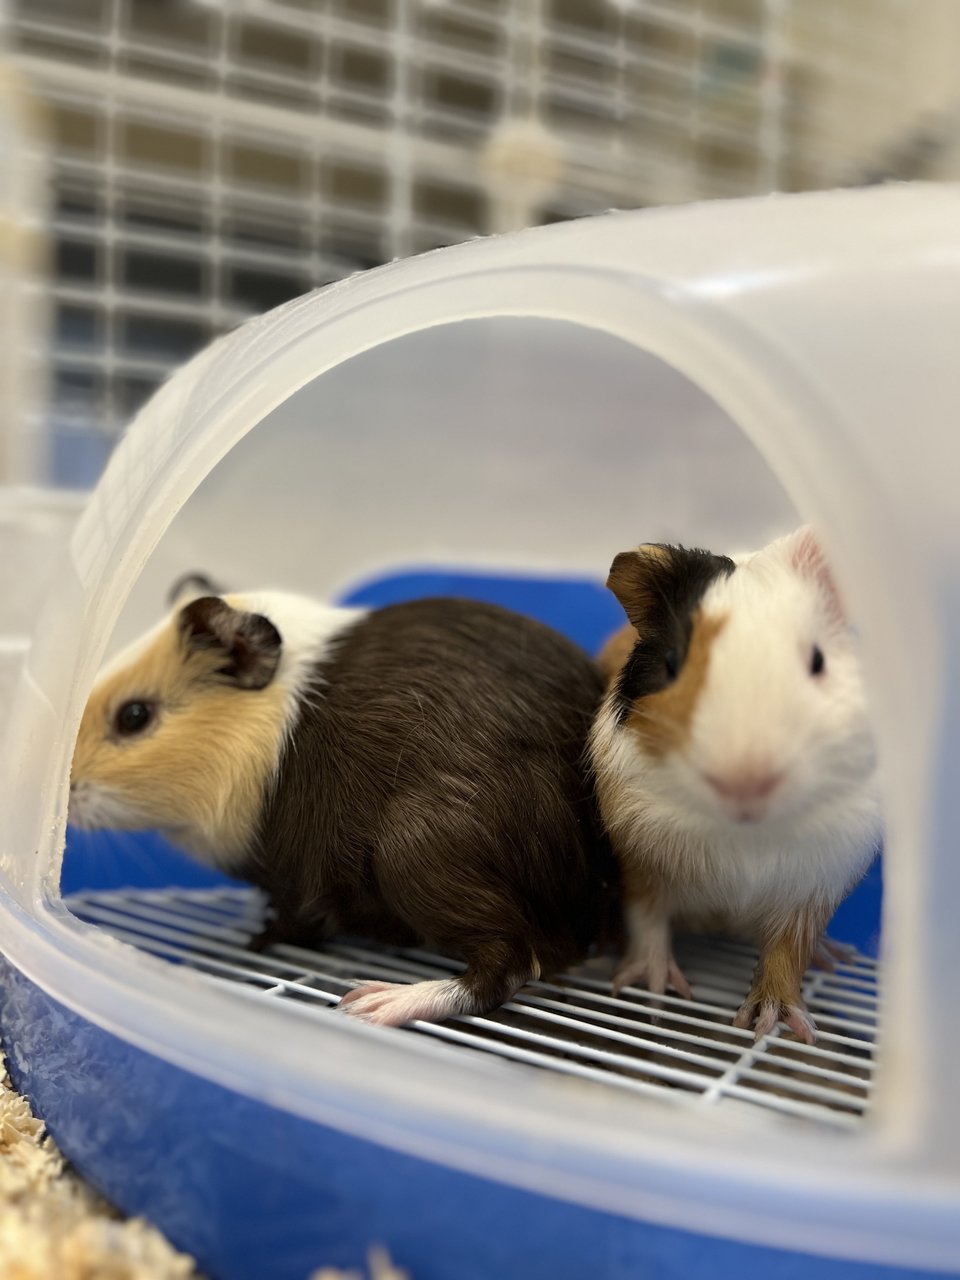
(735, 764)
(414, 774)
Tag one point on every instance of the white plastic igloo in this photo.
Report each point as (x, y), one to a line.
(519, 410)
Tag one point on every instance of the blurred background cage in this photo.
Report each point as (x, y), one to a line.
(207, 160)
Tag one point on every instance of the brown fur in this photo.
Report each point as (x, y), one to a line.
(662, 720)
(435, 790)
(616, 651)
(647, 873)
(634, 578)
(200, 772)
(641, 883)
(424, 780)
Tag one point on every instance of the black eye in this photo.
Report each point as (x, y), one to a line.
(133, 717)
(818, 663)
(671, 664)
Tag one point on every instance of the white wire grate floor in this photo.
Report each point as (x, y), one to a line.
(573, 1025)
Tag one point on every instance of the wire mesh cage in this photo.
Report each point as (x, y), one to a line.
(573, 1026)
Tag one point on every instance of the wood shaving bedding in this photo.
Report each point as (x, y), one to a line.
(53, 1226)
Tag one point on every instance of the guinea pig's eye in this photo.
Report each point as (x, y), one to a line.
(818, 663)
(671, 664)
(133, 717)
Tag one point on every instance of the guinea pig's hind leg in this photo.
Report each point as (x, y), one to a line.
(486, 983)
(392, 1004)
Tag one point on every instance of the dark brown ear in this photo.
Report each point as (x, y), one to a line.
(248, 643)
(655, 581)
(637, 579)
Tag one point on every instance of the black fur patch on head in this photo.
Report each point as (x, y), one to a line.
(660, 588)
(248, 643)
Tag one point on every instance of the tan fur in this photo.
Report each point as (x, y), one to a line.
(786, 948)
(779, 972)
(645, 874)
(663, 719)
(212, 771)
(616, 651)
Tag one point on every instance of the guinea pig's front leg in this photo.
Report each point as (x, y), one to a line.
(649, 959)
(785, 952)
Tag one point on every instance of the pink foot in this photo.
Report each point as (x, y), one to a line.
(393, 1004)
(655, 974)
(368, 988)
(764, 1015)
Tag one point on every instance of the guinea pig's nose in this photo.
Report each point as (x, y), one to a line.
(745, 785)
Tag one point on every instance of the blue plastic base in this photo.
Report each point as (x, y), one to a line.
(581, 609)
(253, 1192)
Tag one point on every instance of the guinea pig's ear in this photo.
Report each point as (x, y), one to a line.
(191, 585)
(248, 643)
(808, 559)
(637, 579)
(656, 580)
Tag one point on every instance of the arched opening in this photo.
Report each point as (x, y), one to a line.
(508, 460)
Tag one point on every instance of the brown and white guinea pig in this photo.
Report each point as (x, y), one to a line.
(412, 774)
(735, 763)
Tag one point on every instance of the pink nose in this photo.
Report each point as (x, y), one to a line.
(745, 786)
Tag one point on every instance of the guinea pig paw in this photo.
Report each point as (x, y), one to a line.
(365, 989)
(827, 954)
(394, 1004)
(760, 1016)
(763, 1017)
(800, 1023)
(656, 976)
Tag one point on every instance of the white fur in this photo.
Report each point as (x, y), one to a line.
(93, 807)
(649, 959)
(307, 629)
(393, 1004)
(759, 708)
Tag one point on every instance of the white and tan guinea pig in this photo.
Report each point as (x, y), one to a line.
(414, 774)
(735, 763)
